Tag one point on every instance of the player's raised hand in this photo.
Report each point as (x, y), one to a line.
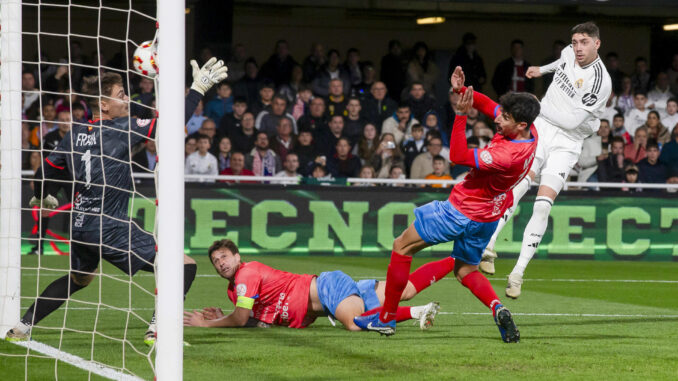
(458, 78)
(533, 72)
(465, 102)
(211, 73)
(194, 319)
(211, 313)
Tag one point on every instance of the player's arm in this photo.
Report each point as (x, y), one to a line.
(211, 73)
(236, 319)
(481, 102)
(459, 152)
(54, 169)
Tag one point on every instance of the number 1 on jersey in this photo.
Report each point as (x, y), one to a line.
(87, 158)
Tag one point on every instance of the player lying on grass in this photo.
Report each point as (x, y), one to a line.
(272, 296)
(469, 216)
(95, 157)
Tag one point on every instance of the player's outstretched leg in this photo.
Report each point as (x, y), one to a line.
(425, 315)
(534, 232)
(49, 301)
(487, 262)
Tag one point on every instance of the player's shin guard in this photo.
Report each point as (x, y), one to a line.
(431, 272)
(51, 299)
(518, 193)
(481, 288)
(396, 281)
(534, 232)
(189, 275)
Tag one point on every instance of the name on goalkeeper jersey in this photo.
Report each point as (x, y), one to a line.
(85, 140)
(563, 82)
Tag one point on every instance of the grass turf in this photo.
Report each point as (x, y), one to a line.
(578, 320)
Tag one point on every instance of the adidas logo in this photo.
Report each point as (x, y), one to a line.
(562, 174)
(534, 244)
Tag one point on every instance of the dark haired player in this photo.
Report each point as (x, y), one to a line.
(570, 112)
(469, 216)
(96, 158)
(263, 295)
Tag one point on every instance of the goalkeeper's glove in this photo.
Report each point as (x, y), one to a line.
(211, 73)
(49, 202)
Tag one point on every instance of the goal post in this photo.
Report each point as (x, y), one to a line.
(170, 214)
(10, 158)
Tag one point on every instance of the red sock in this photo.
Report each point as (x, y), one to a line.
(402, 314)
(431, 272)
(481, 288)
(396, 281)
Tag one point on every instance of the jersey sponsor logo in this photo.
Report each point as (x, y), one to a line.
(578, 84)
(589, 99)
(85, 140)
(486, 157)
(143, 122)
(241, 289)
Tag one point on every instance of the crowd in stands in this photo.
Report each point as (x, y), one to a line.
(330, 117)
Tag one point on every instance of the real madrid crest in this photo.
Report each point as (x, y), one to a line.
(579, 83)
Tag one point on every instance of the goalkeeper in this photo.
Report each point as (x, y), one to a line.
(95, 157)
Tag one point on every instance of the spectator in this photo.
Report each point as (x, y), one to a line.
(625, 99)
(262, 160)
(243, 137)
(313, 64)
(289, 172)
(248, 86)
(422, 68)
(672, 179)
(631, 177)
(377, 107)
(236, 65)
(636, 150)
(556, 50)
(650, 170)
(291, 88)
(369, 78)
(484, 134)
(232, 121)
(610, 108)
(190, 145)
(29, 91)
(209, 129)
(612, 66)
(420, 101)
(331, 70)
(284, 139)
(354, 123)
(279, 66)
(237, 168)
(592, 152)
(396, 172)
(319, 172)
(619, 129)
(660, 94)
(196, 120)
(669, 155)
(446, 116)
(222, 104)
(605, 134)
(386, 155)
(400, 124)
(202, 162)
(510, 73)
(423, 163)
(353, 67)
(144, 160)
(470, 61)
(393, 69)
(78, 112)
(47, 124)
(611, 166)
(26, 146)
(52, 139)
(671, 118)
(224, 153)
(142, 100)
(672, 72)
(267, 120)
(655, 129)
(413, 146)
(315, 120)
(637, 116)
(343, 163)
(439, 167)
(336, 102)
(432, 122)
(367, 144)
(326, 140)
(266, 93)
(366, 172)
(306, 151)
(640, 78)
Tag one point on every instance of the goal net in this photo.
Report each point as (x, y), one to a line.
(54, 55)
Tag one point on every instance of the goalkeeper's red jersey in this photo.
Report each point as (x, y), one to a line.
(280, 298)
(485, 193)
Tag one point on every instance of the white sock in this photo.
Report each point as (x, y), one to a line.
(417, 311)
(518, 193)
(23, 328)
(534, 232)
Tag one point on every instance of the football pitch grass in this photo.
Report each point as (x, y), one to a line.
(578, 320)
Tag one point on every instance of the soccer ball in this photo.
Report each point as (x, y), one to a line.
(145, 59)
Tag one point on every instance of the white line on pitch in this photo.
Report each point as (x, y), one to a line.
(76, 361)
(564, 314)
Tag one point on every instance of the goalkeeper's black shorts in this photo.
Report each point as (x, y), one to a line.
(127, 247)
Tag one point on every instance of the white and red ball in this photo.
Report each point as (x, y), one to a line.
(145, 59)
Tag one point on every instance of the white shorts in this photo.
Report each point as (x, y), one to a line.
(556, 154)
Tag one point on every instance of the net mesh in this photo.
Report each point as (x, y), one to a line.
(101, 327)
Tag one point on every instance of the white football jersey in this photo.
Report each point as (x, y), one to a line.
(575, 87)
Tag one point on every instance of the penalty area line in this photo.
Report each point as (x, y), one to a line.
(78, 362)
